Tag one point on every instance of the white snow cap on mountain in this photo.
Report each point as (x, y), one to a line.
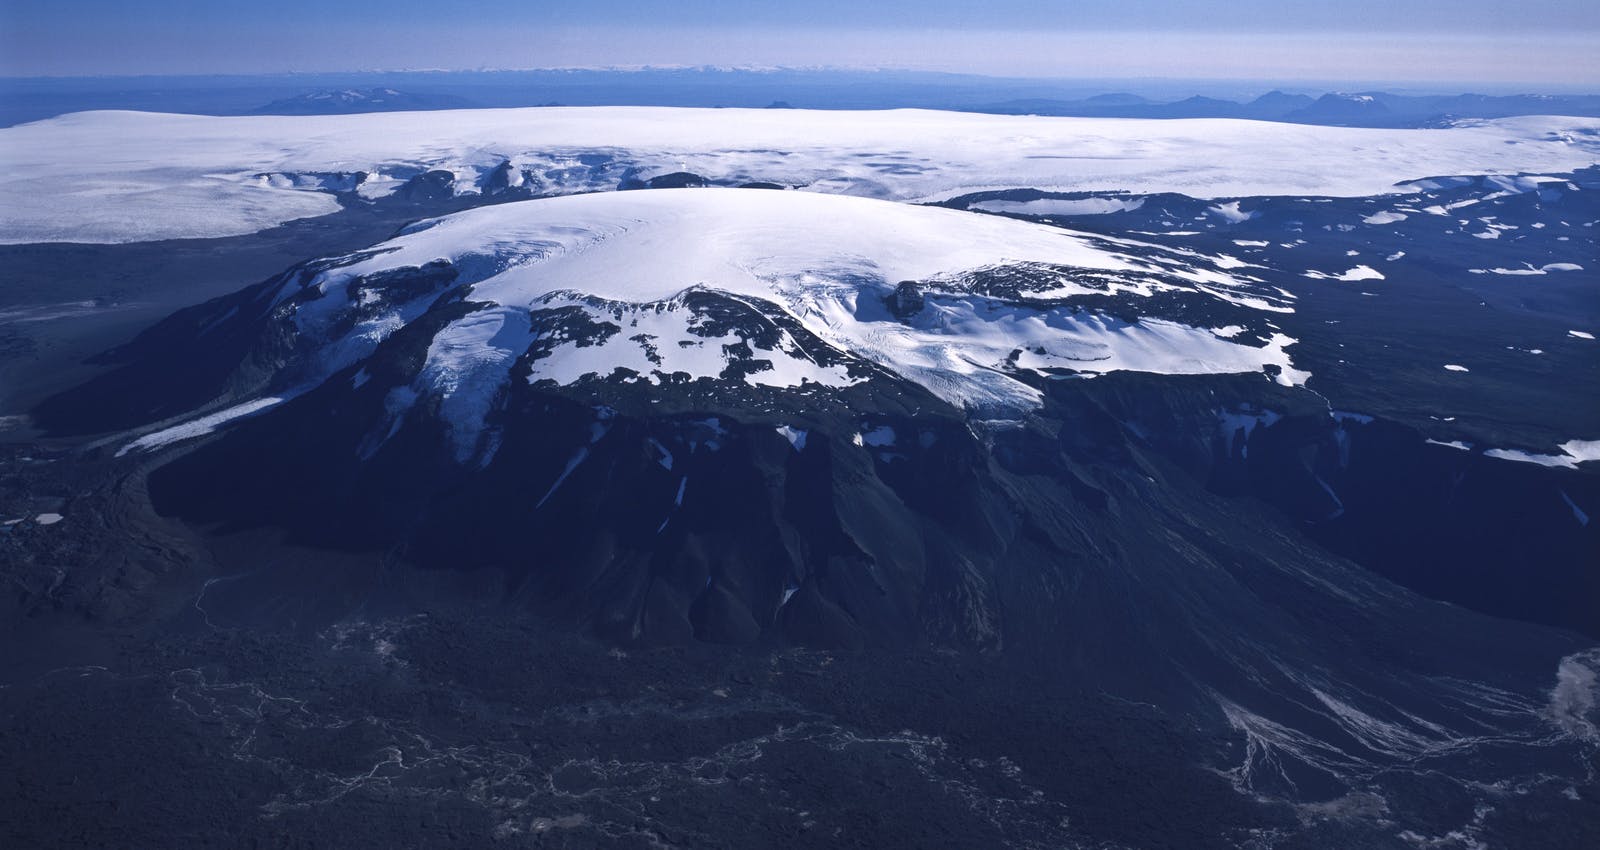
(829, 261)
(647, 246)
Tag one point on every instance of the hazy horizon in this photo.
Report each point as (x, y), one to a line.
(1544, 43)
(1153, 87)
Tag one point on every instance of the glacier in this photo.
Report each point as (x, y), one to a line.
(117, 176)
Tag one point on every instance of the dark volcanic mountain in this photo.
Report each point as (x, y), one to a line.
(1142, 465)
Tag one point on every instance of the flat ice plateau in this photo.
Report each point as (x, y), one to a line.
(108, 177)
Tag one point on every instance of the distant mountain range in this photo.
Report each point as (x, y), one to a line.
(1339, 109)
(1364, 109)
(32, 99)
(351, 101)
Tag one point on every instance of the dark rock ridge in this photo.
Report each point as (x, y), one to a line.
(885, 518)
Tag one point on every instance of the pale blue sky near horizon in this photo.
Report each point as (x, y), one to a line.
(1489, 41)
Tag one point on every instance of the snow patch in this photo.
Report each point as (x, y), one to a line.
(1061, 206)
(1582, 451)
(795, 436)
(1573, 452)
(1528, 269)
(1231, 213)
(1530, 457)
(1362, 272)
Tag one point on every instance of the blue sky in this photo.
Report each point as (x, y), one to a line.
(1535, 41)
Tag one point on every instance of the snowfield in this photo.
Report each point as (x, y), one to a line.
(647, 246)
(131, 176)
